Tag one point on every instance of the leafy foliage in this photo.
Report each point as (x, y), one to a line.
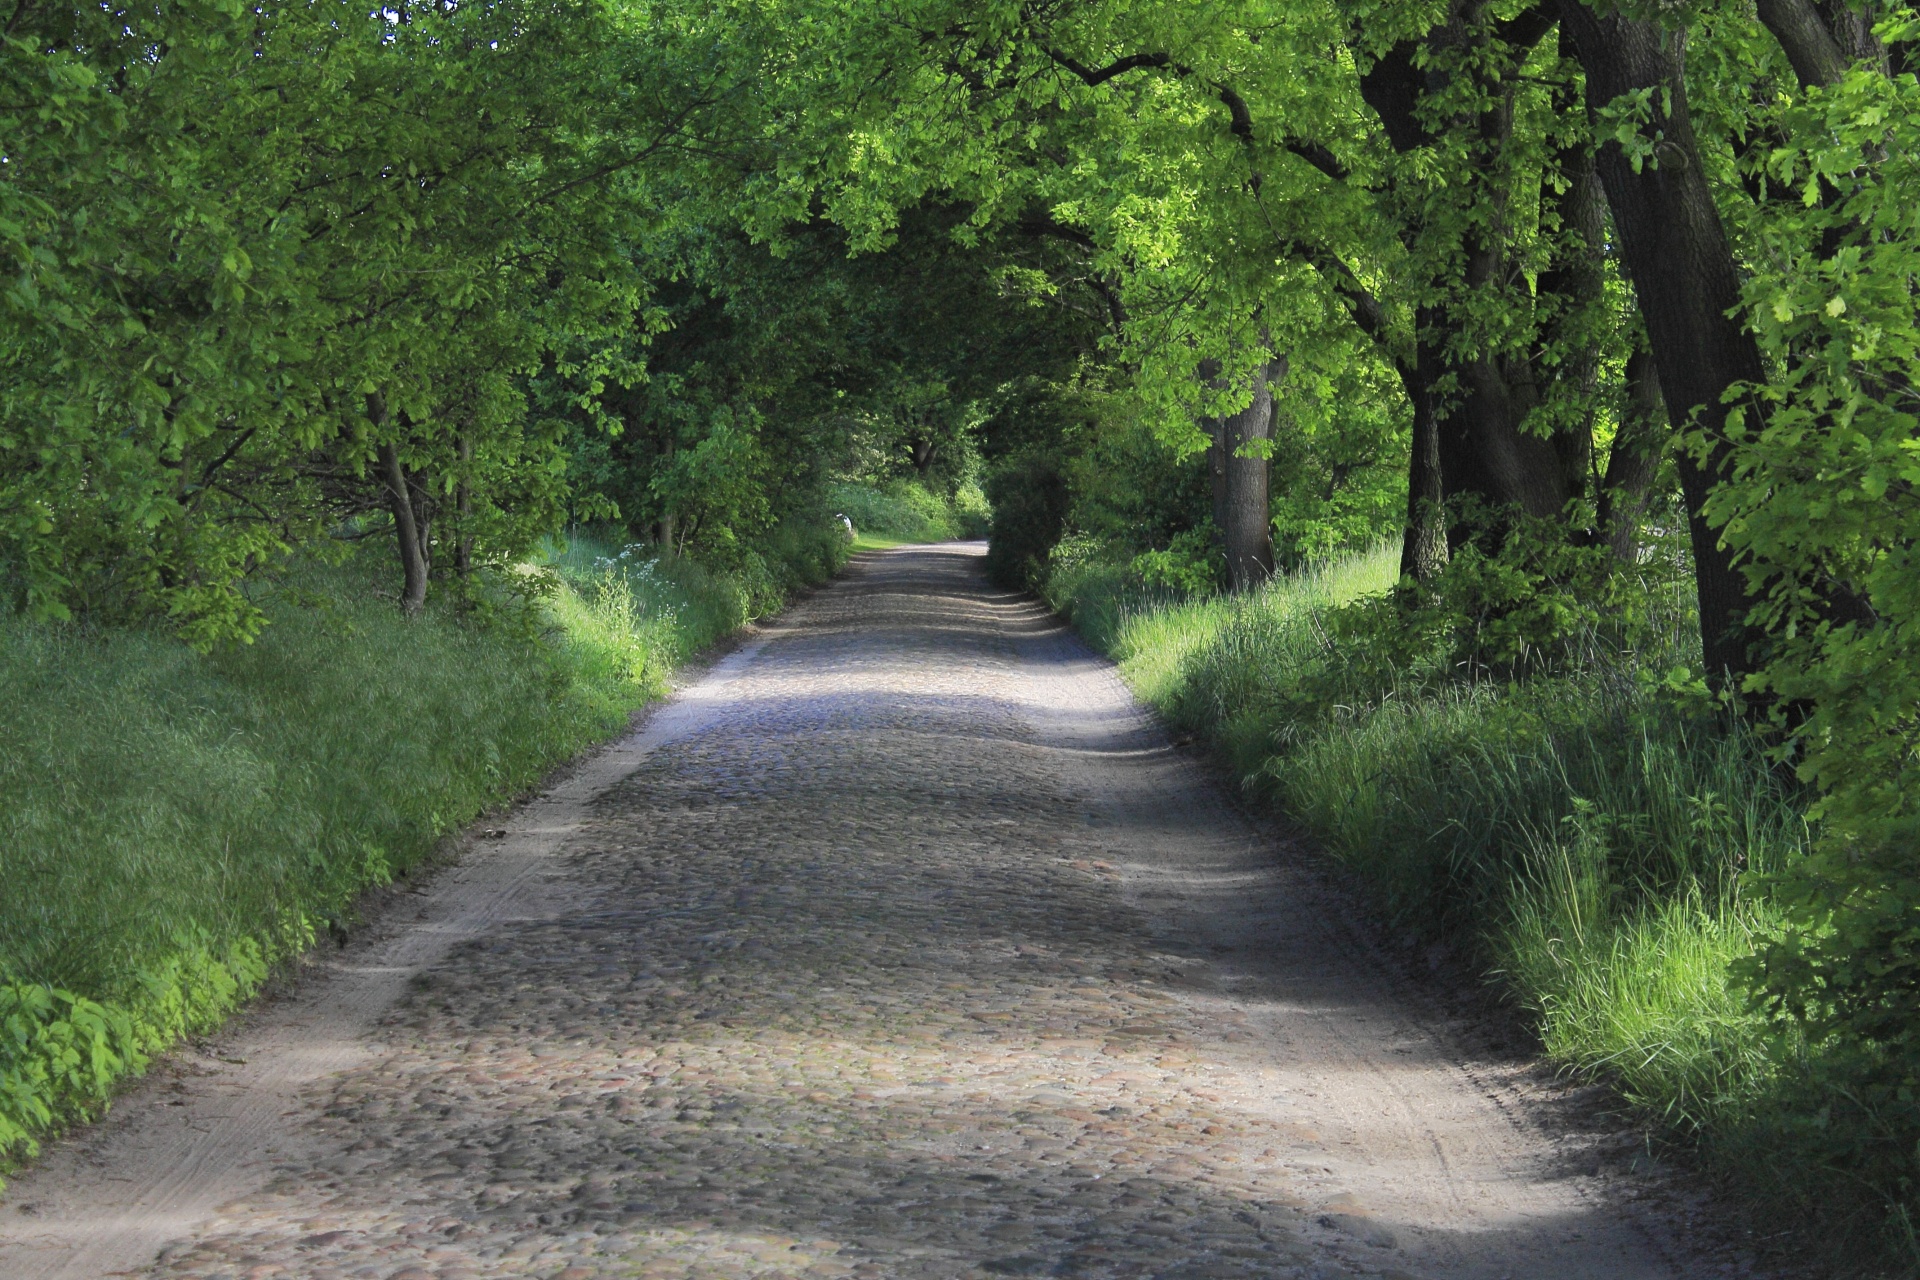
(252, 263)
(450, 276)
(1822, 505)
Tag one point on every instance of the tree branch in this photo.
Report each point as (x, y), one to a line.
(1042, 223)
(1241, 125)
(1320, 158)
(1392, 88)
(1528, 28)
(1816, 56)
(1367, 313)
(659, 143)
(239, 442)
(1240, 115)
(1120, 67)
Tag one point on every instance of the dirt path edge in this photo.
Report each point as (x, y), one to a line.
(209, 1123)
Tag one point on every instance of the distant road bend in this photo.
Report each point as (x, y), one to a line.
(901, 945)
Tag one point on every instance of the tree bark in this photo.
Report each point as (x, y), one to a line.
(1242, 509)
(1248, 508)
(1801, 29)
(463, 554)
(1485, 449)
(1577, 280)
(663, 526)
(1852, 29)
(406, 529)
(1217, 474)
(1423, 544)
(1824, 39)
(1684, 275)
(1485, 453)
(1216, 453)
(1474, 443)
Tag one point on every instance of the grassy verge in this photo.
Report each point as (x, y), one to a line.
(175, 824)
(877, 542)
(1596, 842)
(904, 511)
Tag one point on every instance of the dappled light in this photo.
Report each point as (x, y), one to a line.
(1488, 433)
(855, 975)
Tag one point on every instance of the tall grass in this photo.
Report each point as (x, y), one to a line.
(172, 824)
(1593, 845)
(1596, 842)
(1205, 658)
(630, 616)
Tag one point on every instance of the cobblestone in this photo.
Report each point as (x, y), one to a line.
(854, 982)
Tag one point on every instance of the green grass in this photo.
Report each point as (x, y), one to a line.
(877, 542)
(906, 511)
(1598, 844)
(1178, 653)
(174, 824)
(1592, 845)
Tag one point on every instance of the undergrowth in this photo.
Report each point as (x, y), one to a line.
(1591, 828)
(173, 825)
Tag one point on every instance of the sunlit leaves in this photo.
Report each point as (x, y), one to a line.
(225, 247)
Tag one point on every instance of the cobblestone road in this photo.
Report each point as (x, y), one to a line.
(920, 955)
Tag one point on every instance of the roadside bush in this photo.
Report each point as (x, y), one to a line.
(1029, 497)
(1189, 565)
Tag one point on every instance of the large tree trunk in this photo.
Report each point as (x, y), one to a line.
(409, 526)
(664, 526)
(1821, 41)
(1423, 542)
(1217, 473)
(1684, 276)
(1241, 499)
(1484, 452)
(463, 554)
(1577, 280)
(1249, 528)
(407, 532)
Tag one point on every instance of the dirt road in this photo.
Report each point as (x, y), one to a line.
(902, 945)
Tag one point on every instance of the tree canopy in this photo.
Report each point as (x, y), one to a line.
(284, 277)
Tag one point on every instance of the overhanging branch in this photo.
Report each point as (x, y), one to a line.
(1119, 67)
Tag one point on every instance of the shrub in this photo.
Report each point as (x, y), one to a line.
(1029, 497)
(1190, 565)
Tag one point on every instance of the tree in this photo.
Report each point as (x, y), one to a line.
(297, 276)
